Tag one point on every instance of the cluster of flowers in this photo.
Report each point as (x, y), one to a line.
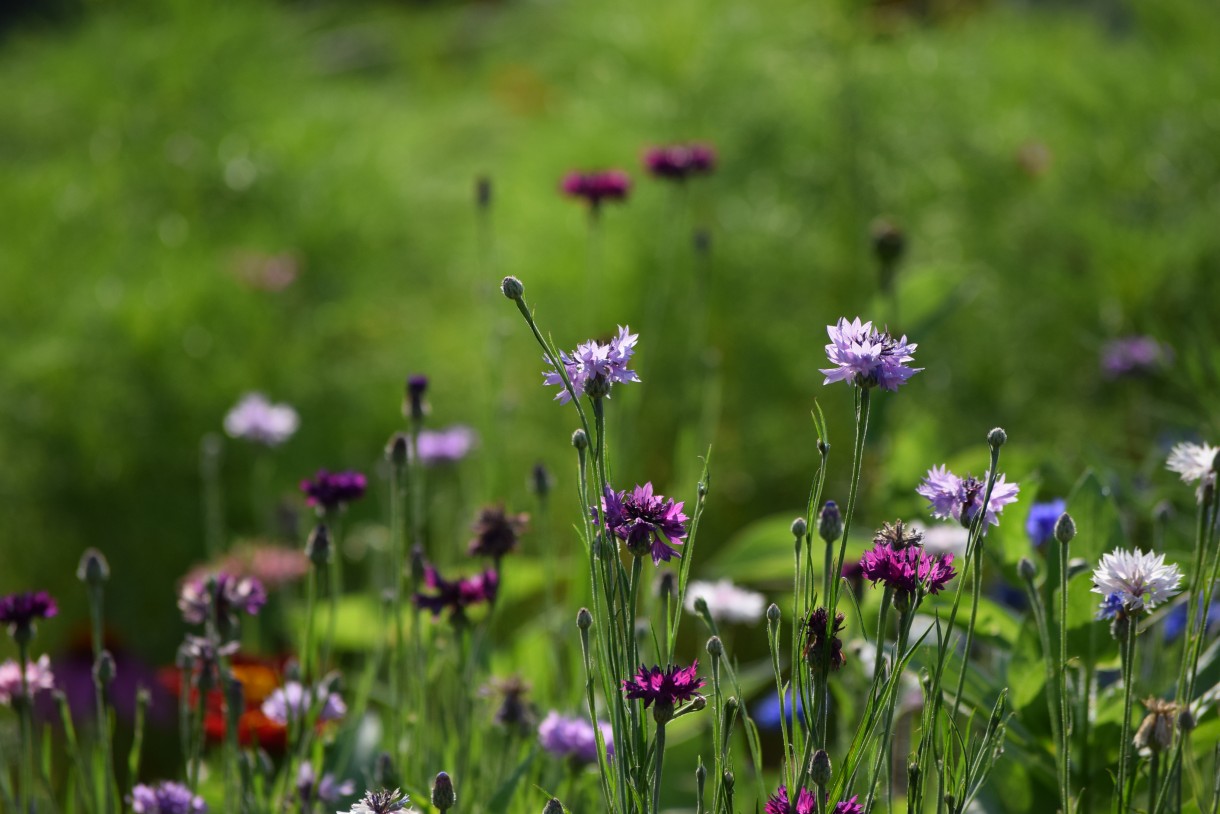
(674, 162)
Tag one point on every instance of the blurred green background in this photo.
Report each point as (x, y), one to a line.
(1054, 167)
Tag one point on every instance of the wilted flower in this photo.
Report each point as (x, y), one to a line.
(456, 595)
(725, 601)
(382, 801)
(446, 446)
(816, 635)
(595, 187)
(574, 737)
(679, 161)
(38, 677)
(326, 790)
(866, 357)
(1134, 355)
(329, 490)
(19, 611)
(292, 703)
(1156, 730)
(663, 685)
(221, 597)
(1040, 525)
(898, 535)
(908, 570)
(165, 798)
(961, 498)
(1194, 462)
(496, 532)
(256, 419)
(593, 368)
(645, 522)
(1134, 581)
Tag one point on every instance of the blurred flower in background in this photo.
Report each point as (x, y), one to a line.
(725, 601)
(256, 419)
(1133, 356)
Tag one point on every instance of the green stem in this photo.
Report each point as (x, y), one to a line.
(1128, 697)
(1065, 748)
(660, 760)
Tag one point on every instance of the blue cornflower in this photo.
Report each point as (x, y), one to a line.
(1040, 525)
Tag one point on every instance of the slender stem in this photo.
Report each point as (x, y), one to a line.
(773, 639)
(1052, 700)
(1065, 745)
(887, 598)
(1124, 744)
(398, 671)
(24, 795)
(660, 760)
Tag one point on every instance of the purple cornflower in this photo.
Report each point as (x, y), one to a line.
(38, 677)
(447, 446)
(679, 161)
(165, 798)
(593, 368)
(780, 804)
(849, 806)
(574, 737)
(221, 597)
(960, 498)
(292, 702)
(456, 595)
(665, 686)
(328, 491)
(19, 611)
(647, 523)
(907, 570)
(496, 532)
(595, 187)
(866, 357)
(326, 790)
(256, 419)
(815, 638)
(1133, 356)
(1040, 525)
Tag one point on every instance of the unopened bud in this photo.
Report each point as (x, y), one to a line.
(889, 241)
(1027, 570)
(830, 522)
(913, 772)
(667, 586)
(729, 781)
(318, 545)
(698, 704)
(104, 669)
(93, 569)
(715, 647)
(997, 438)
(584, 619)
(540, 481)
(1186, 720)
(951, 803)
(799, 528)
(512, 288)
(443, 795)
(482, 192)
(580, 440)
(773, 613)
(553, 806)
(396, 449)
(820, 770)
(1065, 528)
(701, 488)
(417, 385)
(383, 771)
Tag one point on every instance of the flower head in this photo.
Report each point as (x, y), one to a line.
(574, 737)
(514, 710)
(594, 368)
(817, 630)
(19, 611)
(780, 804)
(645, 522)
(1133, 356)
(496, 532)
(1134, 581)
(961, 498)
(222, 597)
(456, 595)
(292, 702)
(663, 685)
(725, 601)
(326, 790)
(679, 161)
(907, 570)
(866, 357)
(38, 677)
(165, 798)
(330, 490)
(1156, 730)
(1194, 462)
(1040, 524)
(272, 565)
(256, 419)
(849, 806)
(382, 801)
(595, 187)
(446, 446)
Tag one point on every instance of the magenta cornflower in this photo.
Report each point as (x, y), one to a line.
(222, 597)
(165, 798)
(593, 368)
(330, 490)
(20, 610)
(907, 570)
(574, 737)
(849, 806)
(664, 686)
(595, 187)
(780, 804)
(866, 357)
(961, 498)
(645, 522)
(679, 161)
(456, 595)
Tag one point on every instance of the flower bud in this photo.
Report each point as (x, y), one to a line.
(103, 669)
(702, 240)
(443, 795)
(584, 619)
(820, 770)
(1027, 570)
(383, 771)
(799, 528)
(512, 288)
(889, 241)
(997, 438)
(1186, 720)
(715, 647)
(729, 781)
(667, 586)
(698, 704)
(93, 569)
(553, 806)
(1065, 528)
(482, 192)
(580, 440)
(830, 522)
(701, 488)
(773, 613)
(417, 385)
(396, 449)
(540, 481)
(318, 545)
(951, 803)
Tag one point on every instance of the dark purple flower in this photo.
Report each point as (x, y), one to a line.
(866, 357)
(816, 635)
(326, 790)
(665, 686)
(1040, 525)
(446, 446)
(165, 798)
(678, 161)
(849, 806)
(779, 803)
(907, 570)
(221, 597)
(593, 368)
(574, 737)
(595, 187)
(496, 532)
(645, 522)
(329, 490)
(1133, 356)
(456, 595)
(19, 610)
(961, 498)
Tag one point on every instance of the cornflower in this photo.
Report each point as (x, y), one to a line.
(866, 357)
(594, 368)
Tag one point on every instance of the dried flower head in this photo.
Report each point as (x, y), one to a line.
(866, 357)
(496, 532)
(816, 634)
(1156, 730)
(898, 535)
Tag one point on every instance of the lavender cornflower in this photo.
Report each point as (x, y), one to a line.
(1133, 581)
(1194, 462)
(292, 702)
(574, 738)
(1134, 355)
(326, 790)
(38, 677)
(19, 611)
(664, 686)
(456, 595)
(908, 570)
(647, 523)
(961, 498)
(595, 187)
(815, 638)
(382, 801)
(165, 798)
(446, 446)
(866, 357)
(678, 161)
(594, 368)
(221, 597)
(496, 532)
(725, 601)
(328, 491)
(1040, 524)
(256, 419)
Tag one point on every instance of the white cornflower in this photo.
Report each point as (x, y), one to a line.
(379, 802)
(725, 601)
(1137, 580)
(1194, 462)
(256, 419)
